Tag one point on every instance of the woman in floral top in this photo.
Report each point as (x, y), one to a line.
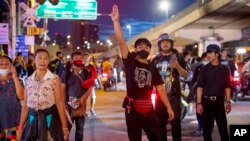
(43, 115)
(11, 92)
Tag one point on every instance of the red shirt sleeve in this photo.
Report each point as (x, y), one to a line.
(91, 80)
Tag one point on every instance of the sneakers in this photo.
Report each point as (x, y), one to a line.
(92, 112)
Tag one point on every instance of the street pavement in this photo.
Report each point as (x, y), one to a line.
(109, 123)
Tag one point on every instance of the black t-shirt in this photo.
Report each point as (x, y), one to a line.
(214, 79)
(230, 64)
(140, 78)
(75, 83)
(30, 69)
(57, 67)
(163, 65)
(195, 76)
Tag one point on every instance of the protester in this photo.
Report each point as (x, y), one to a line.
(43, 112)
(11, 92)
(171, 65)
(76, 93)
(141, 77)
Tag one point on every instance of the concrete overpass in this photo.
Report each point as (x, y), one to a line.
(227, 17)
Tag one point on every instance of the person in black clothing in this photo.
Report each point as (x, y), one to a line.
(225, 60)
(57, 66)
(171, 65)
(187, 57)
(213, 89)
(141, 77)
(204, 61)
(31, 64)
(20, 65)
(74, 91)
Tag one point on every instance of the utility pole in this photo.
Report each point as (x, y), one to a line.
(12, 23)
(13, 16)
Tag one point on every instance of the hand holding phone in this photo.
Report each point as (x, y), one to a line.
(174, 62)
(13, 72)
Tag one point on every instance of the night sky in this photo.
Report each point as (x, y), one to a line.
(140, 14)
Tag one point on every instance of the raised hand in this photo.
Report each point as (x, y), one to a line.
(115, 13)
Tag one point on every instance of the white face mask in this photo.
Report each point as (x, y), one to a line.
(4, 72)
(205, 62)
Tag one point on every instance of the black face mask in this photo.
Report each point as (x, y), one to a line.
(143, 54)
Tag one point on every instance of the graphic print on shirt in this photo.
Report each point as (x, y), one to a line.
(165, 70)
(225, 62)
(143, 77)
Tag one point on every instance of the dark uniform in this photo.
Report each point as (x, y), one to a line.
(194, 82)
(214, 80)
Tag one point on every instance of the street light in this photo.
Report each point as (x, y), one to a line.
(88, 45)
(68, 56)
(108, 41)
(165, 5)
(68, 36)
(129, 30)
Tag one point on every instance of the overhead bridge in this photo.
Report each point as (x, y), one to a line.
(226, 17)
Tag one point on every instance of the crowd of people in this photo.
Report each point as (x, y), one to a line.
(55, 92)
(208, 80)
(49, 90)
(41, 106)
